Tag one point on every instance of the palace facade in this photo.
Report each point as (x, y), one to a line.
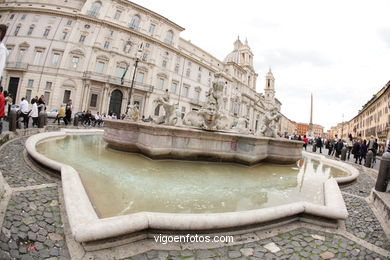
(80, 50)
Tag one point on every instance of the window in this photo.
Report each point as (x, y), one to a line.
(95, 8)
(117, 15)
(82, 38)
(134, 24)
(173, 87)
(160, 83)
(69, 22)
(169, 37)
(63, 35)
(30, 83)
(140, 77)
(177, 68)
(199, 77)
(17, 30)
(93, 102)
(110, 33)
(144, 57)
(47, 97)
(185, 91)
(147, 45)
(183, 112)
(23, 17)
(46, 32)
(56, 58)
(12, 16)
(75, 62)
(49, 84)
(21, 55)
(152, 27)
(106, 44)
(164, 64)
(30, 30)
(197, 95)
(121, 71)
(37, 58)
(28, 94)
(66, 96)
(100, 67)
(188, 73)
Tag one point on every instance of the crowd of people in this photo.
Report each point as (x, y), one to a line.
(358, 147)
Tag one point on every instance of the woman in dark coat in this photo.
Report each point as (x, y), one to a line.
(363, 151)
(356, 150)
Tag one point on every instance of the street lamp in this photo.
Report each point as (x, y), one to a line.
(137, 59)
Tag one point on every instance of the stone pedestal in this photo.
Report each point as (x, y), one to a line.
(169, 142)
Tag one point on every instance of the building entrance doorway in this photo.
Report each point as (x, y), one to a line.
(116, 102)
(13, 88)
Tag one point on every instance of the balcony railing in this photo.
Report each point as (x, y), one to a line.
(17, 66)
(117, 81)
(195, 101)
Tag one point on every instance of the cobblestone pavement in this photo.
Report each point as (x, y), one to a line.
(301, 243)
(33, 228)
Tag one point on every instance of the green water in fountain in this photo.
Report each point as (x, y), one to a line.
(120, 183)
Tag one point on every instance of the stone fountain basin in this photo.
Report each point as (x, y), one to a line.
(170, 142)
(86, 226)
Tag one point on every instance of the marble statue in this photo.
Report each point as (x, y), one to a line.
(241, 126)
(210, 116)
(269, 123)
(172, 114)
(133, 112)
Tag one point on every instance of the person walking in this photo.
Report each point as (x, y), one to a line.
(349, 145)
(24, 111)
(10, 101)
(338, 147)
(363, 151)
(2, 109)
(3, 51)
(356, 150)
(61, 115)
(41, 104)
(34, 112)
(319, 143)
(304, 142)
(68, 111)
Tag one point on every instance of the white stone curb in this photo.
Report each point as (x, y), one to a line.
(86, 226)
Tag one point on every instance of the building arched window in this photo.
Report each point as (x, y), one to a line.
(95, 8)
(134, 24)
(169, 37)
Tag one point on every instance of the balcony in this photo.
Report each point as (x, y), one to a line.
(116, 81)
(19, 66)
(196, 101)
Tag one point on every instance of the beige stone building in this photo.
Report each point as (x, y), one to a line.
(287, 126)
(80, 50)
(372, 119)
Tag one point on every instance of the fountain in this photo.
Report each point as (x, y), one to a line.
(115, 196)
(202, 135)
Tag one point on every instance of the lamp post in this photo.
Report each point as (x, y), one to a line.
(137, 59)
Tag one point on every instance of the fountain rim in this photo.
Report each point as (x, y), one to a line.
(86, 226)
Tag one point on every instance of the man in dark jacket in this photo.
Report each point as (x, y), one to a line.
(319, 143)
(356, 150)
(339, 146)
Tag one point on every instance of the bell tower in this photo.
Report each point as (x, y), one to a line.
(269, 89)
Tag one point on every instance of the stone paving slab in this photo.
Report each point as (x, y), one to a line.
(300, 243)
(32, 226)
(13, 167)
